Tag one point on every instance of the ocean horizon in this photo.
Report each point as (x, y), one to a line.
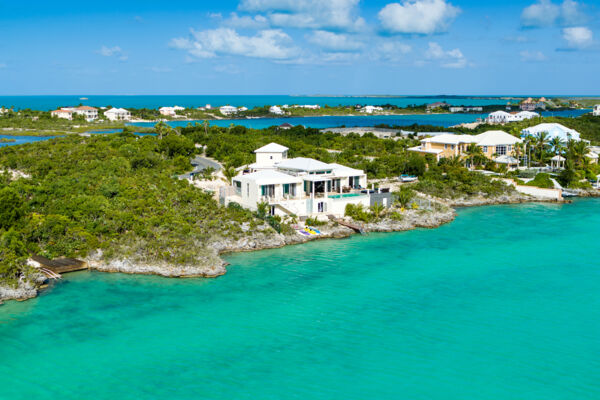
(50, 102)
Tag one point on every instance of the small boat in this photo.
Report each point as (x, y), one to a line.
(83, 98)
(303, 232)
(407, 178)
(318, 232)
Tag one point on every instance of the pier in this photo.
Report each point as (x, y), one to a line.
(54, 268)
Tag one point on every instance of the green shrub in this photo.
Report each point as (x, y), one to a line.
(541, 180)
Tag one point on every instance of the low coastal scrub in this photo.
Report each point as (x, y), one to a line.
(541, 180)
(457, 182)
(115, 193)
(379, 158)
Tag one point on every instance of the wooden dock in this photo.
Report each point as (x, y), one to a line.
(60, 265)
(356, 228)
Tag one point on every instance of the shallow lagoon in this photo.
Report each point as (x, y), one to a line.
(503, 303)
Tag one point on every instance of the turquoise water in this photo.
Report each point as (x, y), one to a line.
(23, 139)
(443, 120)
(503, 303)
(51, 102)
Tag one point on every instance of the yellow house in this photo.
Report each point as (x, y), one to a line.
(494, 144)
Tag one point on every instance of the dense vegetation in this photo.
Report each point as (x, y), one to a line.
(111, 192)
(379, 158)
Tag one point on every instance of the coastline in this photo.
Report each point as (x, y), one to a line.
(214, 266)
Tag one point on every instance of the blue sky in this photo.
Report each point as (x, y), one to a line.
(300, 47)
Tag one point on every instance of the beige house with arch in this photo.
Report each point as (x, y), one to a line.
(494, 144)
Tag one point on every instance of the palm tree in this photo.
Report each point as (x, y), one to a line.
(377, 209)
(577, 152)
(206, 124)
(229, 173)
(557, 145)
(519, 150)
(161, 129)
(475, 154)
(541, 141)
(404, 196)
(261, 209)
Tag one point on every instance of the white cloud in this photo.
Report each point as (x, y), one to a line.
(334, 41)
(532, 56)
(545, 13)
(578, 37)
(247, 22)
(314, 14)
(160, 70)
(115, 51)
(270, 43)
(448, 58)
(391, 51)
(109, 51)
(418, 16)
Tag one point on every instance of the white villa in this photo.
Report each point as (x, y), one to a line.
(89, 113)
(553, 130)
(170, 111)
(62, 113)
(276, 110)
(228, 110)
(596, 111)
(371, 109)
(117, 114)
(503, 117)
(297, 186)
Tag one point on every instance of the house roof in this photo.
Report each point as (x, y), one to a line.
(342, 170)
(86, 108)
(114, 110)
(553, 130)
(449, 138)
(422, 150)
(303, 164)
(268, 177)
(558, 158)
(506, 160)
(271, 148)
(62, 111)
(495, 138)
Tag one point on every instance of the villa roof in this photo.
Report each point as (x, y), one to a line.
(553, 130)
(558, 158)
(495, 138)
(342, 170)
(271, 148)
(303, 164)
(449, 138)
(86, 108)
(62, 111)
(269, 177)
(113, 110)
(506, 160)
(592, 155)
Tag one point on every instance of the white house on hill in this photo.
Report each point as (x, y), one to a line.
(597, 110)
(276, 110)
(228, 110)
(297, 186)
(553, 130)
(117, 114)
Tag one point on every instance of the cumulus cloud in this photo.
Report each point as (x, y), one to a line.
(391, 50)
(545, 13)
(269, 44)
(247, 21)
(314, 14)
(418, 16)
(532, 56)
(448, 58)
(114, 51)
(334, 41)
(578, 37)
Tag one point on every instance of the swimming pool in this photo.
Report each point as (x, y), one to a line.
(340, 196)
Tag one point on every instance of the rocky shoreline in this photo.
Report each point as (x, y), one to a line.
(212, 265)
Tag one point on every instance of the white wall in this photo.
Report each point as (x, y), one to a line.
(269, 159)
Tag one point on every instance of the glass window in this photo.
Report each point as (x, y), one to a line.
(501, 150)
